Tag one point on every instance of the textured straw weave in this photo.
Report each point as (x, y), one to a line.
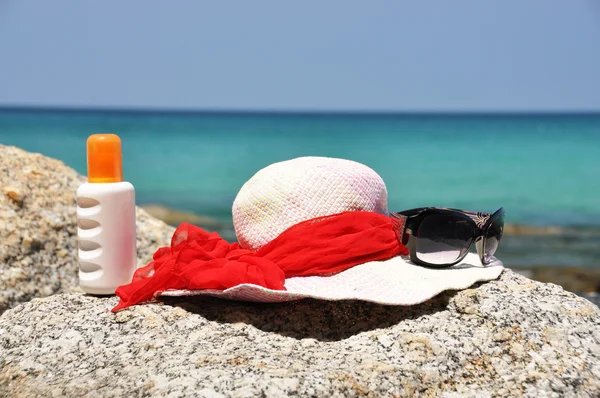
(286, 193)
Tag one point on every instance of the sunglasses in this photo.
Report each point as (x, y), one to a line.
(440, 237)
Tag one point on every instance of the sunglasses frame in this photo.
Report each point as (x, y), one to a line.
(408, 222)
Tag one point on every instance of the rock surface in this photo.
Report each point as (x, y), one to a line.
(509, 337)
(38, 245)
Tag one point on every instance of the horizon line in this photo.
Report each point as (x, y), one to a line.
(283, 112)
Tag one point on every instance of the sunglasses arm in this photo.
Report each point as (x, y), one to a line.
(399, 222)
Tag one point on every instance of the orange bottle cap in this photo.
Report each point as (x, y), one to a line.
(104, 159)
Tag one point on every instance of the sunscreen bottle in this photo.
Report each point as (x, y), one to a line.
(105, 219)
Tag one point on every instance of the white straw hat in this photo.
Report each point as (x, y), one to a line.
(286, 193)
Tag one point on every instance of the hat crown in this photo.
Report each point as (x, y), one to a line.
(286, 193)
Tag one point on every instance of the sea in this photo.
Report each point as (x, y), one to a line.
(544, 169)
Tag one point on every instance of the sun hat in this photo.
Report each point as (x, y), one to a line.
(310, 227)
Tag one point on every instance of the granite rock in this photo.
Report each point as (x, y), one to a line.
(38, 245)
(508, 337)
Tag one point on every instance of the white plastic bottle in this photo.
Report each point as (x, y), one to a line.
(106, 219)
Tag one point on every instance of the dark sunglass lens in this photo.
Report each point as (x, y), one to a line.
(494, 234)
(443, 239)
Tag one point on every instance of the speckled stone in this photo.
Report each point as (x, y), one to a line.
(509, 337)
(38, 245)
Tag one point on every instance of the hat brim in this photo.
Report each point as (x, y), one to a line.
(396, 281)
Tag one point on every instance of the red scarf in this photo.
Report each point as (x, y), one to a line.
(326, 245)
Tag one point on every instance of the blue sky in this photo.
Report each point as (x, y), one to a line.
(504, 55)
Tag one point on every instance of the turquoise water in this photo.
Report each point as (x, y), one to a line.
(542, 169)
